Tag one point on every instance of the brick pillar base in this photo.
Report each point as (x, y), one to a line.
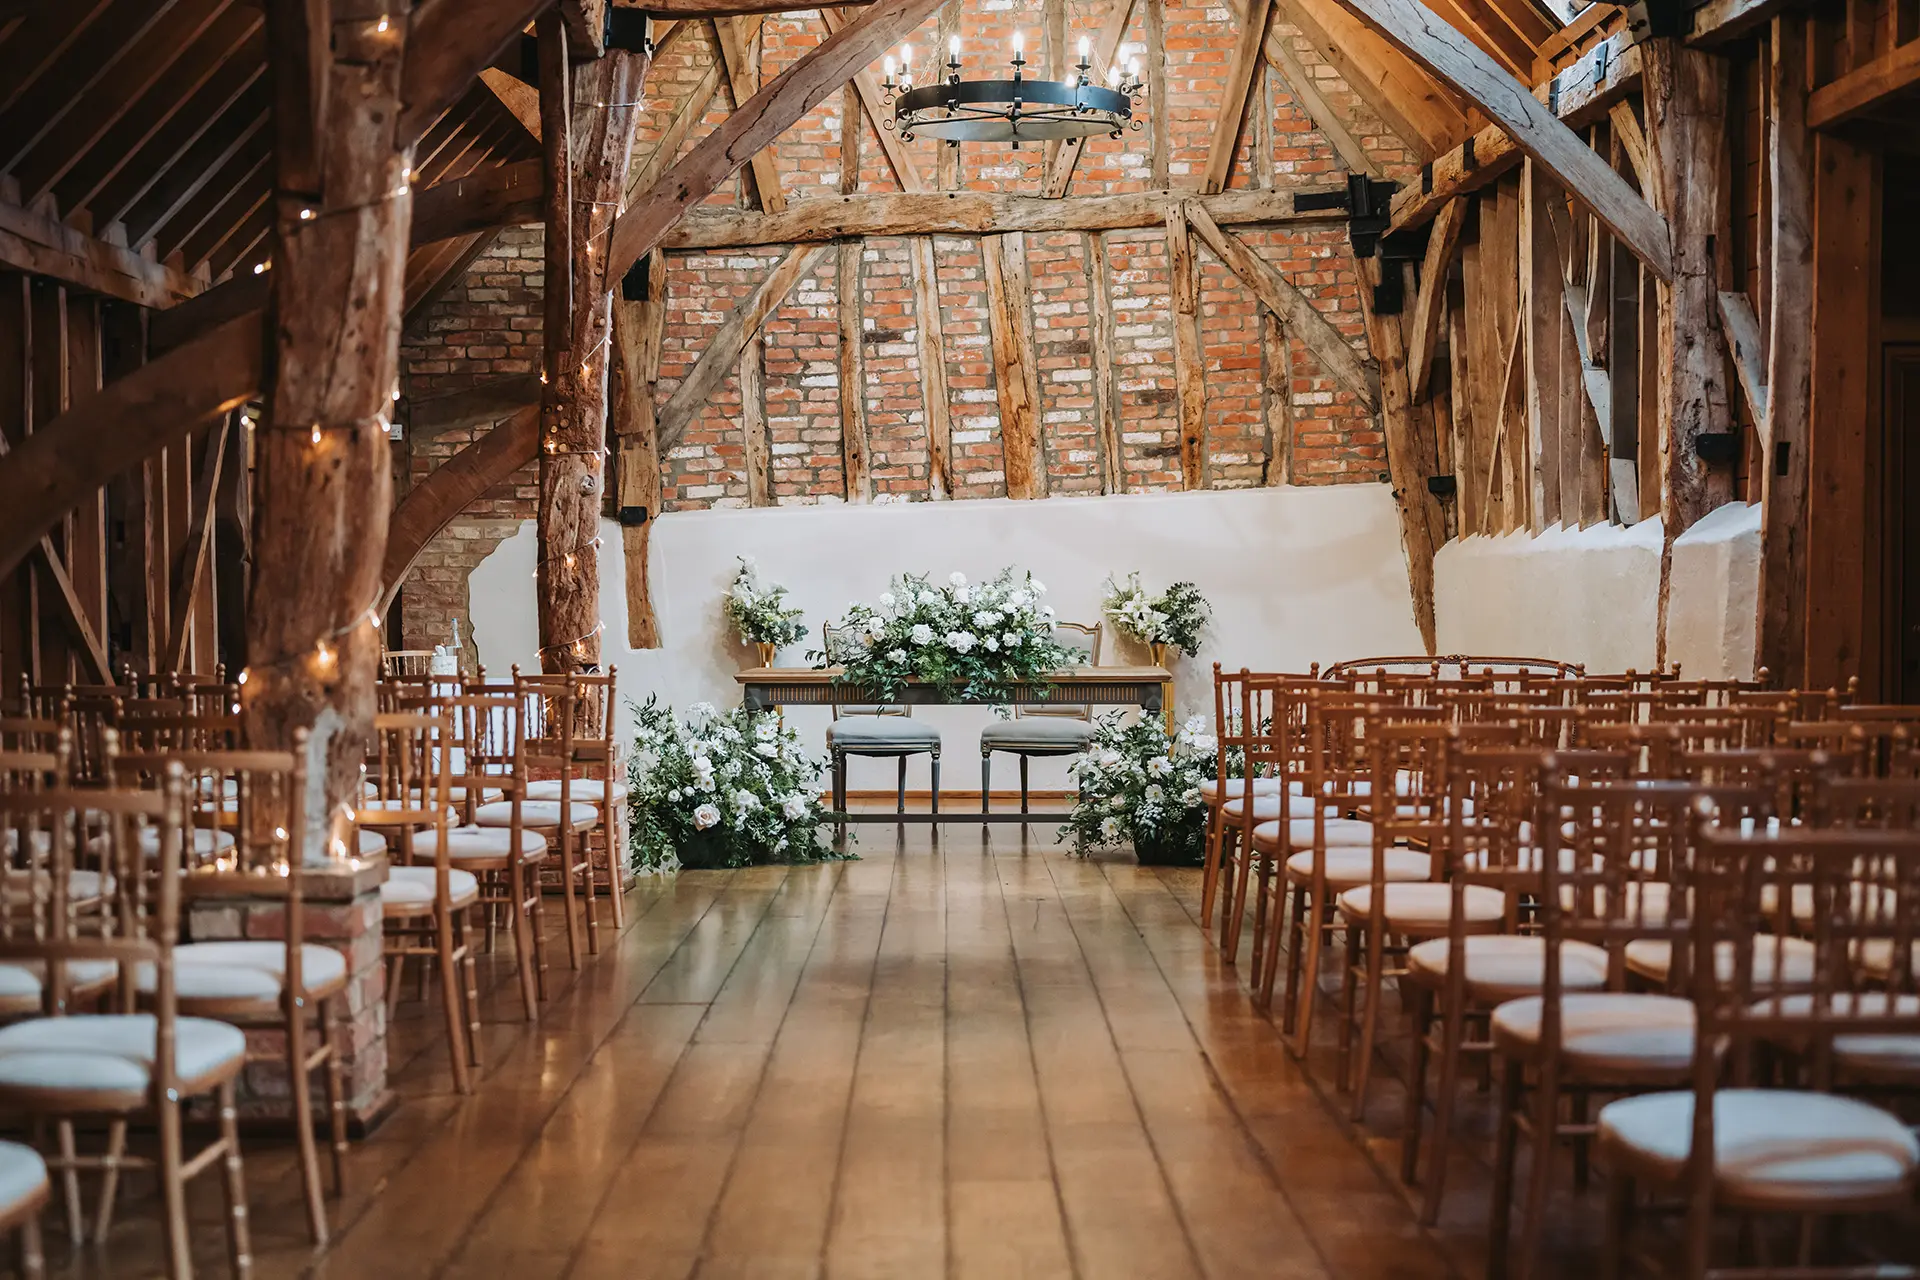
(342, 911)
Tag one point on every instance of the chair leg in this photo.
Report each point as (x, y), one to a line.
(396, 970)
(901, 805)
(535, 905)
(1296, 898)
(1613, 1246)
(331, 1023)
(302, 1087)
(1210, 871)
(1452, 1036)
(173, 1194)
(1316, 940)
(583, 846)
(450, 998)
(1421, 1016)
(566, 896)
(1506, 1153)
(1023, 785)
(934, 768)
(1237, 904)
(110, 1182)
(239, 1236)
(1264, 886)
(522, 944)
(70, 1181)
(464, 925)
(615, 889)
(840, 795)
(986, 782)
(32, 1254)
(1376, 995)
(1533, 1219)
(1349, 1004)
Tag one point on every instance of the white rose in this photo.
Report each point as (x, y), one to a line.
(705, 816)
(794, 807)
(771, 750)
(1020, 599)
(745, 801)
(896, 655)
(922, 634)
(957, 578)
(992, 643)
(673, 796)
(1011, 640)
(887, 599)
(702, 765)
(1109, 758)
(961, 641)
(1118, 804)
(983, 619)
(1190, 796)
(927, 597)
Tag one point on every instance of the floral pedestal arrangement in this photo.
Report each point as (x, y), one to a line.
(1140, 786)
(714, 789)
(759, 613)
(982, 638)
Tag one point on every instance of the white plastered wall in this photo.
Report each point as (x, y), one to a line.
(1592, 595)
(1295, 575)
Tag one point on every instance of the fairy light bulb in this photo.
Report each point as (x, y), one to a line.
(569, 559)
(1113, 74)
(888, 64)
(906, 59)
(1019, 43)
(316, 433)
(382, 25)
(1086, 48)
(953, 48)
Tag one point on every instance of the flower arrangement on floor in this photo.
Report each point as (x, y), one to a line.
(759, 612)
(984, 637)
(720, 789)
(1137, 785)
(1175, 617)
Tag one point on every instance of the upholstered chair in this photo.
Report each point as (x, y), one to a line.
(1043, 731)
(871, 729)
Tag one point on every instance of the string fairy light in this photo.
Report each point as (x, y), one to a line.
(323, 659)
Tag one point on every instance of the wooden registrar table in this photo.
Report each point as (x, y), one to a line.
(767, 688)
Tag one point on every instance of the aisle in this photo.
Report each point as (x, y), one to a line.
(971, 1057)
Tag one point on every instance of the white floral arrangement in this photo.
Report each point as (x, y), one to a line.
(983, 637)
(758, 611)
(720, 789)
(1175, 617)
(1138, 786)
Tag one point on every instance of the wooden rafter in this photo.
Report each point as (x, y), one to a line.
(867, 87)
(1233, 96)
(733, 38)
(33, 243)
(1003, 261)
(1422, 114)
(764, 117)
(450, 39)
(1281, 57)
(1105, 49)
(197, 552)
(504, 196)
(1430, 304)
(1866, 87)
(1423, 36)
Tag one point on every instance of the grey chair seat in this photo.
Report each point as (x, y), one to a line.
(1053, 735)
(881, 735)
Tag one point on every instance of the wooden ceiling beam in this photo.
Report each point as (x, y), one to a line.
(51, 471)
(1718, 21)
(733, 39)
(867, 86)
(31, 242)
(1421, 113)
(50, 30)
(449, 41)
(1233, 98)
(243, 136)
(1430, 303)
(1581, 98)
(974, 213)
(1865, 88)
(1105, 50)
(505, 196)
(521, 99)
(1423, 36)
(764, 117)
(76, 77)
(451, 488)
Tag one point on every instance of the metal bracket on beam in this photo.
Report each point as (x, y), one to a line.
(1369, 206)
(1717, 447)
(632, 517)
(629, 29)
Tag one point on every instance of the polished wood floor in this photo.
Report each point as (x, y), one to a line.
(972, 1056)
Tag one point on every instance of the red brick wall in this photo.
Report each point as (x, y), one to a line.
(487, 323)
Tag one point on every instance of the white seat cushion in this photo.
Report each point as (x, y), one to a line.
(411, 889)
(1606, 1034)
(1802, 898)
(369, 843)
(882, 733)
(590, 790)
(1504, 967)
(1875, 956)
(1651, 958)
(1881, 1052)
(202, 841)
(456, 794)
(112, 1053)
(23, 981)
(536, 813)
(1057, 734)
(1646, 902)
(1211, 789)
(1341, 832)
(1352, 865)
(486, 843)
(246, 971)
(1424, 907)
(23, 1176)
(1266, 808)
(1771, 1147)
(82, 885)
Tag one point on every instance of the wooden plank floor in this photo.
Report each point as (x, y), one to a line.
(970, 1055)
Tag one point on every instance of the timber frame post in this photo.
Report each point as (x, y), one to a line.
(322, 467)
(588, 113)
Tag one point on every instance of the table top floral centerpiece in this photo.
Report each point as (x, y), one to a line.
(720, 789)
(758, 611)
(1139, 786)
(1175, 617)
(983, 638)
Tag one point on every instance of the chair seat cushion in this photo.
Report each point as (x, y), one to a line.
(1341, 832)
(1424, 907)
(388, 813)
(1771, 1147)
(1651, 958)
(457, 794)
(23, 981)
(1213, 790)
(1352, 865)
(1645, 902)
(1607, 1035)
(201, 841)
(1058, 734)
(113, 1054)
(882, 733)
(23, 1177)
(1802, 900)
(590, 790)
(1882, 1052)
(82, 885)
(1501, 966)
(1875, 956)
(540, 814)
(243, 973)
(1266, 808)
(409, 890)
(368, 843)
(488, 844)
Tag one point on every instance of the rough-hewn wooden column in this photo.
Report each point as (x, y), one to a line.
(586, 175)
(322, 468)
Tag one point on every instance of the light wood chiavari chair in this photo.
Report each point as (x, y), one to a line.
(594, 779)
(114, 1065)
(549, 721)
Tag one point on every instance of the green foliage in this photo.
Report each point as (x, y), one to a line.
(720, 790)
(759, 611)
(1175, 617)
(1138, 786)
(982, 638)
